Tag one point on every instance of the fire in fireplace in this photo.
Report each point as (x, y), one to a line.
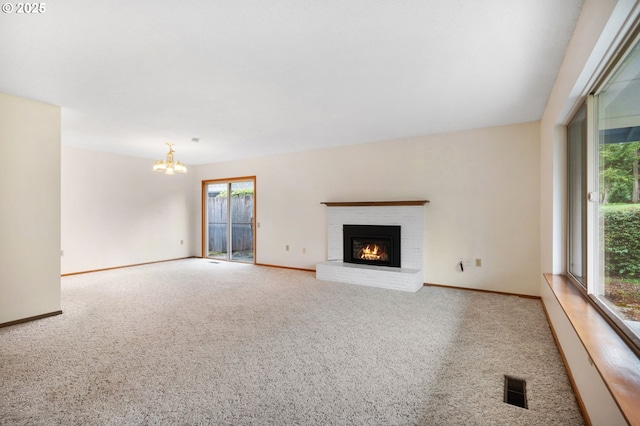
(372, 245)
(372, 251)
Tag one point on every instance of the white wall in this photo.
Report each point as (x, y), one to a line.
(30, 225)
(117, 212)
(592, 37)
(483, 186)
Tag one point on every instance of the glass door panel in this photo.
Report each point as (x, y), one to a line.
(217, 220)
(576, 156)
(618, 232)
(242, 199)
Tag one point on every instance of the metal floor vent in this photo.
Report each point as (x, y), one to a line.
(515, 391)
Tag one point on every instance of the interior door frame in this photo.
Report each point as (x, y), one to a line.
(203, 200)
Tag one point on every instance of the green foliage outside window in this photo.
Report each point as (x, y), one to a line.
(619, 172)
(621, 209)
(622, 241)
(236, 193)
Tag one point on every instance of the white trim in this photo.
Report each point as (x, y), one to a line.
(619, 24)
(592, 187)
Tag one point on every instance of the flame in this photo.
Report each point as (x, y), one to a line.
(371, 252)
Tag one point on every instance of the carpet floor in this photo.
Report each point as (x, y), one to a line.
(198, 341)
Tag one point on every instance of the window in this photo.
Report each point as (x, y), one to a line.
(603, 206)
(576, 155)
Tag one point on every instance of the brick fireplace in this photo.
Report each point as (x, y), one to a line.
(405, 216)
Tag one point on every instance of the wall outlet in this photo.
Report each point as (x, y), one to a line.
(181, 241)
(478, 263)
(286, 248)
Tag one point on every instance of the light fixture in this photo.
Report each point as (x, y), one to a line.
(170, 166)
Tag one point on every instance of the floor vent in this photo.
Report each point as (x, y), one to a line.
(515, 391)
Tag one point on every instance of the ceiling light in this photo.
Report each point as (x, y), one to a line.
(169, 166)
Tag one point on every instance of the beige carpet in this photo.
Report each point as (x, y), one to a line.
(203, 342)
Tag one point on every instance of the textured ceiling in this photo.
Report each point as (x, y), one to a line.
(257, 77)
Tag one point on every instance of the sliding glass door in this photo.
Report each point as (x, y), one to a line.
(603, 171)
(228, 219)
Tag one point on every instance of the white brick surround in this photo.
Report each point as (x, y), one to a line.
(410, 218)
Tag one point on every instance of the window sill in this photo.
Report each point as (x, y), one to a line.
(616, 363)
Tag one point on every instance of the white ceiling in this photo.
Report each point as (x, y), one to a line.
(260, 77)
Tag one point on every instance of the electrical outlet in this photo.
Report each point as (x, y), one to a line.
(286, 247)
(478, 263)
(181, 241)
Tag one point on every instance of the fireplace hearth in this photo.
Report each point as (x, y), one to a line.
(372, 245)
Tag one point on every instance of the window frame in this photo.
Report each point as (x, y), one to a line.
(204, 225)
(590, 170)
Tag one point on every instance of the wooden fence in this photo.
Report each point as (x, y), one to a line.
(241, 223)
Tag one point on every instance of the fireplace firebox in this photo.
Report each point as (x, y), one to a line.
(372, 244)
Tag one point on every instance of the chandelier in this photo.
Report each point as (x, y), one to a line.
(170, 166)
